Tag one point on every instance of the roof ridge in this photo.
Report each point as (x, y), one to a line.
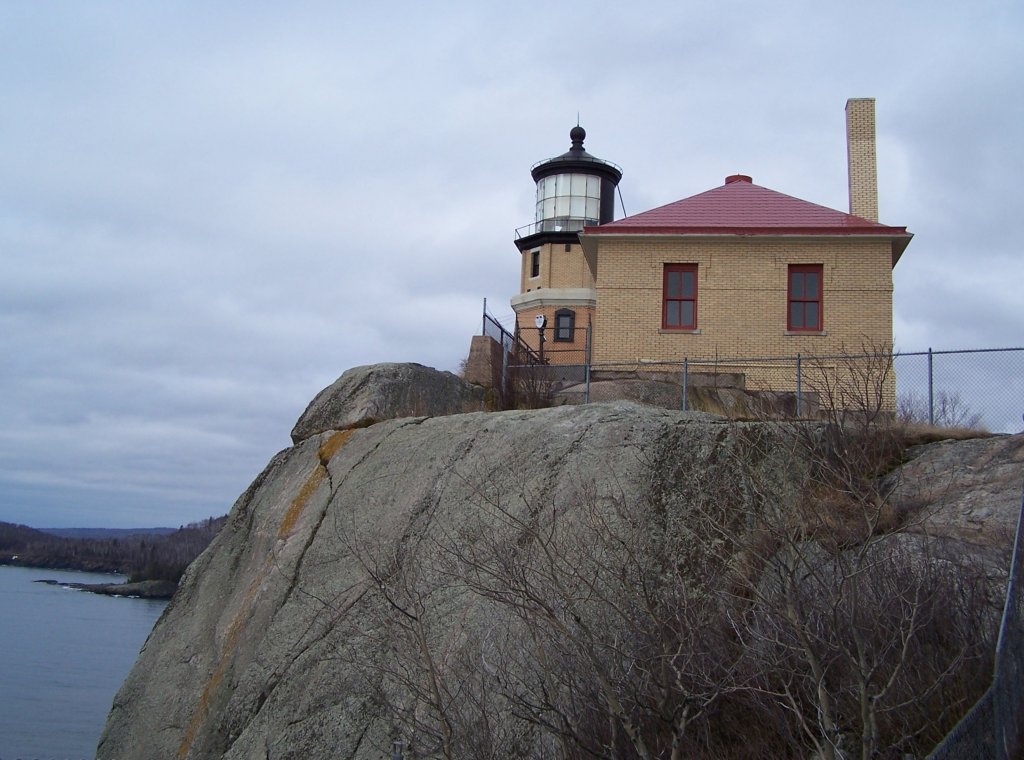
(739, 204)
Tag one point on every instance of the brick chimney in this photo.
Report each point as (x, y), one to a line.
(860, 153)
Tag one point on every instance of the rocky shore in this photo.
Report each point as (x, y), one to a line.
(141, 590)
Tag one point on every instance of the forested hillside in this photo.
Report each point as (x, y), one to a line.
(139, 556)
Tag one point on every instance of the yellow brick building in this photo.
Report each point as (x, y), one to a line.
(737, 271)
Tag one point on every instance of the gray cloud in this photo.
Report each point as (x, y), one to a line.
(208, 212)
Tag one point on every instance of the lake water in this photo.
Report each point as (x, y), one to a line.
(63, 656)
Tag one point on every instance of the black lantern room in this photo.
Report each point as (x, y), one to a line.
(574, 190)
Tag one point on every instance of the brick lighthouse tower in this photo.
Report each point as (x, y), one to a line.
(574, 190)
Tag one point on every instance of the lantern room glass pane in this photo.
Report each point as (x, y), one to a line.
(575, 196)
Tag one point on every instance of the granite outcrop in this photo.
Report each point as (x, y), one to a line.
(368, 394)
(276, 644)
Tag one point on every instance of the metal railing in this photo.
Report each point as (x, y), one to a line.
(994, 727)
(514, 352)
(579, 158)
(556, 224)
(511, 344)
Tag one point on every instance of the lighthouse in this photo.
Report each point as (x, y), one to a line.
(556, 297)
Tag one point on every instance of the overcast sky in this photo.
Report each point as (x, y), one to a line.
(208, 211)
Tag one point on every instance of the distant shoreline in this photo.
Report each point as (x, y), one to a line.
(141, 590)
(40, 563)
(140, 555)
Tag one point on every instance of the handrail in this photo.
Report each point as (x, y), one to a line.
(555, 224)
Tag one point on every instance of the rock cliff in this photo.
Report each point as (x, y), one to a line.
(285, 637)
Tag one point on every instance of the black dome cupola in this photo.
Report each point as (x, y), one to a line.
(574, 190)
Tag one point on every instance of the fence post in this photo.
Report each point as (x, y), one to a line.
(396, 750)
(931, 394)
(483, 328)
(586, 358)
(504, 374)
(686, 385)
(799, 390)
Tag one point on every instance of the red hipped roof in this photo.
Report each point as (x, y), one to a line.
(739, 207)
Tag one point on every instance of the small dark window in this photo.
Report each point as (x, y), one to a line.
(565, 324)
(534, 263)
(679, 297)
(804, 300)
(568, 247)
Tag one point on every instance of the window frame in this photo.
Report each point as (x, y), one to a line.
(535, 264)
(571, 328)
(665, 300)
(803, 300)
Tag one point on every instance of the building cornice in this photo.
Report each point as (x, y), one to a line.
(543, 298)
(898, 237)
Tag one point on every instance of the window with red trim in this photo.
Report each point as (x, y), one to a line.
(679, 297)
(804, 300)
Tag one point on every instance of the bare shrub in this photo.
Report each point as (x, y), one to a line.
(720, 616)
(620, 654)
(875, 650)
(530, 387)
(878, 643)
(949, 411)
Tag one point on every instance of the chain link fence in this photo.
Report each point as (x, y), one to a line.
(974, 388)
(978, 388)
